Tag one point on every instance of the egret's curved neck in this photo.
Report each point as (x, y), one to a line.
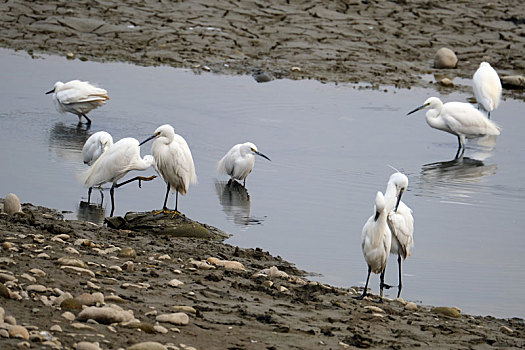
(390, 196)
(435, 120)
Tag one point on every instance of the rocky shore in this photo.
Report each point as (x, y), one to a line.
(77, 285)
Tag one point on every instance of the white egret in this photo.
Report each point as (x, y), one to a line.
(116, 162)
(95, 145)
(487, 87)
(78, 97)
(375, 243)
(173, 161)
(239, 161)
(458, 118)
(400, 220)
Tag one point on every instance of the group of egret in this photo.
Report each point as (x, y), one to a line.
(463, 119)
(389, 231)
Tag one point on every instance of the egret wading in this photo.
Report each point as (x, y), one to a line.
(116, 162)
(458, 118)
(78, 97)
(95, 145)
(487, 87)
(375, 243)
(239, 161)
(173, 161)
(400, 221)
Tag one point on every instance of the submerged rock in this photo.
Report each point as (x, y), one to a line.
(445, 58)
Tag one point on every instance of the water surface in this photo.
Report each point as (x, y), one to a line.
(330, 147)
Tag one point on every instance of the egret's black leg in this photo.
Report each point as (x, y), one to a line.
(164, 207)
(381, 284)
(461, 149)
(88, 120)
(176, 199)
(400, 283)
(366, 285)
(489, 115)
(111, 193)
(89, 194)
(244, 183)
(101, 197)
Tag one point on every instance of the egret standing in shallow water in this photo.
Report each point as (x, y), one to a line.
(239, 161)
(116, 162)
(173, 161)
(487, 87)
(78, 97)
(458, 118)
(400, 220)
(95, 145)
(375, 243)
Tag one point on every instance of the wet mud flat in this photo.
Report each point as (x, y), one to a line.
(70, 283)
(377, 42)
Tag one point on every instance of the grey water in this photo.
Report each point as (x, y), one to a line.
(331, 146)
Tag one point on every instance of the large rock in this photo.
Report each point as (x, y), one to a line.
(445, 58)
(12, 204)
(177, 318)
(105, 315)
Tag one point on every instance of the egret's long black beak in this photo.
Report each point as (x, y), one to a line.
(417, 109)
(146, 140)
(377, 215)
(50, 92)
(399, 199)
(262, 155)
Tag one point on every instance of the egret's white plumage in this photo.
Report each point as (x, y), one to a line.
(173, 161)
(487, 87)
(78, 97)
(400, 220)
(239, 161)
(116, 162)
(375, 242)
(458, 118)
(95, 145)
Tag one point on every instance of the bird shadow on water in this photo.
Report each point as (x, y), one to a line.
(91, 212)
(64, 138)
(235, 202)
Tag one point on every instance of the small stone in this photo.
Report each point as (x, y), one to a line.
(5, 277)
(411, 306)
(56, 328)
(446, 82)
(71, 250)
(70, 56)
(17, 331)
(10, 320)
(227, 264)
(506, 330)
(283, 289)
(114, 299)
(115, 268)
(177, 318)
(447, 311)
(296, 69)
(28, 277)
(7, 245)
(445, 58)
(68, 316)
(175, 283)
(2, 314)
(82, 326)
(12, 204)
(400, 300)
(159, 329)
(92, 285)
(268, 284)
(58, 300)
(71, 262)
(38, 272)
(91, 299)
(4, 292)
(164, 257)
(105, 315)
(23, 344)
(71, 304)
(63, 236)
(128, 266)
(84, 345)
(149, 345)
(4, 333)
(43, 256)
(36, 288)
(372, 308)
(128, 253)
(78, 270)
(183, 308)
(513, 82)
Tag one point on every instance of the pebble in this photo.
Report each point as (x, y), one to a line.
(12, 204)
(114, 299)
(92, 285)
(159, 329)
(175, 283)
(128, 253)
(4, 333)
(4, 292)
(17, 331)
(149, 345)
(227, 264)
(91, 299)
(164, 257)
(71, 304)
(446, 82)
(55, 328)
(372, 308)
(5, 277)
(10, 320)
(58, 300)
(202, 265)
(2, 314)
(445, 58)
(36, 288)
(28, 277)
(23, 344)
(68, 316)
(65, 261)
(84, 345)
(506, 330)
(43, 256)
(183, 308)
(128, 266)
(82, 326)
(115, 268)
(38, 272)
(268, 283)
(447, 311)
(513, 81)
(106, 314)
(78, 270)
(177, 318)
(411, 306)
(71, 250)
(70, 56)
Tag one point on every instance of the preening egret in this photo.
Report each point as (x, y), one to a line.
(400, 220)
(375, 243)
(458, 118)
(239, 161)
(116, 162)
(487, 87)
(78, 97)
(173, 161)
(95, 145)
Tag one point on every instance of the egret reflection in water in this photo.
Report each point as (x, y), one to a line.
(67, 139)
(91, 212)
(235, 202)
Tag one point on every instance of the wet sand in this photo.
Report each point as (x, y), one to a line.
(233, 303)
(385, 42)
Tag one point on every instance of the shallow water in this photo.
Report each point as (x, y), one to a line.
(330, 147)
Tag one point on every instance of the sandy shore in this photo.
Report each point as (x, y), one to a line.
(377, 42)
(68, 282)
